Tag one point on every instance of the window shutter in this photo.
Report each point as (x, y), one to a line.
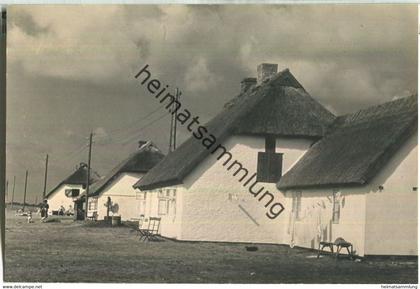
(269, 167)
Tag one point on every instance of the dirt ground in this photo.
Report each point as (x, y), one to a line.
(70, 251)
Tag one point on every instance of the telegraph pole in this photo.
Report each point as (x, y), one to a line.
(45, 178)
(24, 194)
(88, 174)
(172, 132)
(178, 96)
(13, 191)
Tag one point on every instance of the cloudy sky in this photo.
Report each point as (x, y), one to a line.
(71, 70)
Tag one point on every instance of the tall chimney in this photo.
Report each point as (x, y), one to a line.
(248, 83)
(266, 71)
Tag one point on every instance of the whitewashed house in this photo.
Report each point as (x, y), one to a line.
(359, 182)
(266, 128)
(118, 185)
(70, 188)
(275, 132)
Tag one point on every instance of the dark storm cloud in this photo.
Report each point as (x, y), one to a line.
(71, 69)
(25, 22)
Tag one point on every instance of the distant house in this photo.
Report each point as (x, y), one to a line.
(118, 184)
(285, 170)
(70, 188)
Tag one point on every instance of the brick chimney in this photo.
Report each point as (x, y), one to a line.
(266, 71)
(248, 83)
(141, 143)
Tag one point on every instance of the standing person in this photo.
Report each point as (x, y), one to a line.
(41, 207)
(45, 207)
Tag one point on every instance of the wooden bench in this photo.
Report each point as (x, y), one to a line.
(340, 243)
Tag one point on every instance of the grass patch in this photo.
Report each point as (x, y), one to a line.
(94, 252)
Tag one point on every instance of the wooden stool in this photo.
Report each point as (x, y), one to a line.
(341, 243)
(323, 244)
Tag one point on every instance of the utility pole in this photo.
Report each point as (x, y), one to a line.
(88, 174)
(172, 131)
(13, 191)
(45, 178)
(178, 95)
(24, 194)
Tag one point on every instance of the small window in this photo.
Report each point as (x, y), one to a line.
(297, 205)
(336, 207)
(270, 144)
(160, 194)
(72, 193)
(163, 207)
(269, 167)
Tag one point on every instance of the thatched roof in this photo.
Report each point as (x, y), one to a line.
(78, 177)
(357, 146)
(141, 161)
(279, 106)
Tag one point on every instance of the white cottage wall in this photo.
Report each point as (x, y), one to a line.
(214, 202)
(58, 198)
(391, 212)
(314, 222)
(122, 195)
(165, 203)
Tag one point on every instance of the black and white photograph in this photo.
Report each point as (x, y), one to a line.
(209, 144)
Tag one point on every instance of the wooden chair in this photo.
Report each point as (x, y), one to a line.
(341, 243)
(152, 231)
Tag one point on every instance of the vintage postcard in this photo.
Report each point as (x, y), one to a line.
(251, 144)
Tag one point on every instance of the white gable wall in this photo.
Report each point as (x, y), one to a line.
(212, 196)
(58, 198)
(122, 194)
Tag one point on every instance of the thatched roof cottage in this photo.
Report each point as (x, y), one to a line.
(359, 182)
(70, 188)
(200, 193)
(118, 184)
